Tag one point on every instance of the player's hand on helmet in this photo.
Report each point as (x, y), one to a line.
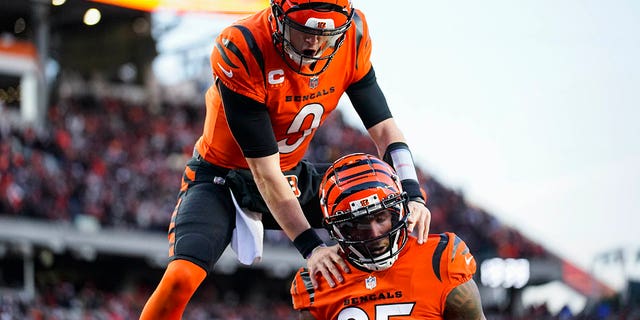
(325, 260)
(419, 217)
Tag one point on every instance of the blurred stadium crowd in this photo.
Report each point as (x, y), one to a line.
(118, 164)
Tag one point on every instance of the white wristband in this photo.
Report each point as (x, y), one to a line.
(403, 163)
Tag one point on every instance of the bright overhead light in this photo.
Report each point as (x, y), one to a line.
(92, 17)
(58, 2)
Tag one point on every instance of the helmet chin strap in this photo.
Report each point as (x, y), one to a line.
(297, 62)
(380, 262)
(299, 58)
(386, 263)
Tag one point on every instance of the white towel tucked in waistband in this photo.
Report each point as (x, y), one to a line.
(248, 235)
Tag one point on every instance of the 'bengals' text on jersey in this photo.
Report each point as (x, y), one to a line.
(245, 60)
(415, 287)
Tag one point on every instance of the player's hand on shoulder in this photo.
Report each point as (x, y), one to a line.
(325, 260)
(420, 219)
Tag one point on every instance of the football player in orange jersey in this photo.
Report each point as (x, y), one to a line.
(365, 211)
(277, 76)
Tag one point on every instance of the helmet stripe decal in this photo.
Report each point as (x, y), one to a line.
(359, 187)
(353, 169)
(332, 186)
(370, 162)
(350, 177)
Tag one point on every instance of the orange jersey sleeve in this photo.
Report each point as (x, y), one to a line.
(362, 45)
(237, 61)
(415, 287)
(245, 60)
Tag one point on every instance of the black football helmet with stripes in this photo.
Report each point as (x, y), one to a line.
(365, 210)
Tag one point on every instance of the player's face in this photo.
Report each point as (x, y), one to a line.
(308, 44)
(371, 227)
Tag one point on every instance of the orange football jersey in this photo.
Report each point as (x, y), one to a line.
(245, 60)
(415, 287)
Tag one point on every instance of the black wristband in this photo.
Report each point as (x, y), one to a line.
(419, 200)
(307, 241)
(412, 188)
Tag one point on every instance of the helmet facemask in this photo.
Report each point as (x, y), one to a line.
(365, 211)
(309, 33)
(373, 253)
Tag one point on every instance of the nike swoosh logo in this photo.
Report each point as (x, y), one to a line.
(468, 259)
(227, 73)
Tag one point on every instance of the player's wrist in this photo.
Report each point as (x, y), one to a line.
(322, 245)
(399, 156)
(412, 188)
(419, 200)
(307, 242)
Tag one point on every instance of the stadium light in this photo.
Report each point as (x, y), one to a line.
(505, 273)
(92, 16)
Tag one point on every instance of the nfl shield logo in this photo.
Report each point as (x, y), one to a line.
(313, 82)
(370, 282)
